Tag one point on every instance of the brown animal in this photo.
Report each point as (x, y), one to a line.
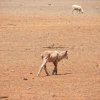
(77, 8)
(54, 57)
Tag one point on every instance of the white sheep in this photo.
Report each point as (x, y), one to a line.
(54, 57)
(77, 8)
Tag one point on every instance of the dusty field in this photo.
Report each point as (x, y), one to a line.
(26, 27)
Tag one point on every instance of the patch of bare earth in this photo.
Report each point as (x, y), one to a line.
(24, 37)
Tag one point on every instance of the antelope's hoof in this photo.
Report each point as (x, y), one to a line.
(48, 74)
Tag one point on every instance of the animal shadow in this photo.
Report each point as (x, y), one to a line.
(57, 74)
(65, 73)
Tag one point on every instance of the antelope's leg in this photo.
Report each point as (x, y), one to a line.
(79, 11)
(46, 70)
(55, 68)
(73, 11)
(41, 67)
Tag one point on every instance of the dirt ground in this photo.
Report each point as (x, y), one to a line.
(27, 27)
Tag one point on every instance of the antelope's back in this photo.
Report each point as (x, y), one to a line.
(50, 55)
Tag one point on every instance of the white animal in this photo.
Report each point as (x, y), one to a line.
(77, 8)
(54, 57)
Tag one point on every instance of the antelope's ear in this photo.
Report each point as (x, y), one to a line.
(66, 51)
(48, 55)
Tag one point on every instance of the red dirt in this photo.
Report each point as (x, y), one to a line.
(29, 25)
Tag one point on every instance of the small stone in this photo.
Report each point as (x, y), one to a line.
(12, 70)
(29, 88)
(49, 4)
(97, 65)
(3, 97)
(25, 79)
(53, 95)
